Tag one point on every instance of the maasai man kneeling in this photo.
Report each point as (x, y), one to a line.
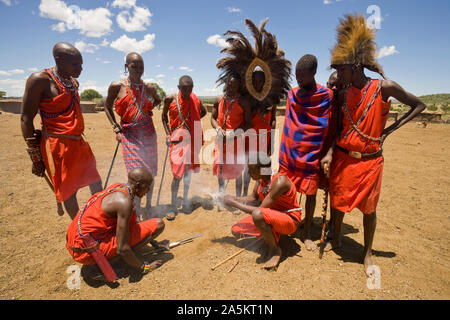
(273, 207)
(356, 156)
(136, 131)
(61, 148)
(305, 128)
(110, 219)
(181, 118)
(230, 117)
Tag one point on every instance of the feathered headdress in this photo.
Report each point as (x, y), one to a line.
(243, 59)
(355, 44)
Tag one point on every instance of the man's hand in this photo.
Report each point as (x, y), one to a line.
(38, 168)
(119, 137)
(168, 140)
(325, 164)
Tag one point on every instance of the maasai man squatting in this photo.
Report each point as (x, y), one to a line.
(230, 113)
(110, 219)
(60, 149)
(181, 118)
(130, 97)
(356, 156)
(308, 109)
(273, 208)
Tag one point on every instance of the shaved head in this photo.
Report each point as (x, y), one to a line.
(140, 175)
(64, 49)
(132, 56)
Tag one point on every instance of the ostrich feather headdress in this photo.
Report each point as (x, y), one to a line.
(355, 44)
(242, 58)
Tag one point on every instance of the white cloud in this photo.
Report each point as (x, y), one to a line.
(7, 2)
(184, 68)
(86, 47)
(124, 4)
(92, 23)
(136, 22)
(232, 9)
(160, 76)
(105, 43)
(217, 41)
(327, 1)
(171, 67)
(126, 44)
(11, 72)
(158, 66)
(387, 51)
(106, 61)
(13, 87)
(33, 69)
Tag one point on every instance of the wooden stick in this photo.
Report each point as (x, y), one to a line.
(233, 255)
(233, 266)
(324, 222)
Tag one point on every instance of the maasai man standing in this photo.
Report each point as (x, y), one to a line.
(181, 118)
(110, 219)
(263, 122)
(60, 149)
(136, 131)
(356, 157)
(273, 207)
(265, 80)
(230, 113)
(306, 122)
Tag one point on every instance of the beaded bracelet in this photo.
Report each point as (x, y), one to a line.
(145, 268)
(35, 154)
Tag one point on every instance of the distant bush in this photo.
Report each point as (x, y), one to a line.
(432, 108)
(90, 95)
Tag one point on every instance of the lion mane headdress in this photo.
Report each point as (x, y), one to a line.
(242, 59)
(355, 44)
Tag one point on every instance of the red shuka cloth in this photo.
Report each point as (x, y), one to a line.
(356, 183)
(102, 227)
(69, 162)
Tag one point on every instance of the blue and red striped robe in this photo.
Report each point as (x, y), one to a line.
(305, 127)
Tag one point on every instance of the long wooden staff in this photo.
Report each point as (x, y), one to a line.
(162, 177)
(324, 214)
(234, 254)
(324, 221)
(112, 163)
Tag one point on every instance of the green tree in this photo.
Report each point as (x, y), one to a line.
(2, 94)
(90, 95)
(159, 90)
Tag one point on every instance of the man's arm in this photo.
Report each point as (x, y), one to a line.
(392, 89)
(215, 114)
(164, 116)
(34, 90)
(279, 186)
(113, 92)
(273, 118)
(245, 104)
(151, 91)
(337, 115)
(246, 204)
(123, 206)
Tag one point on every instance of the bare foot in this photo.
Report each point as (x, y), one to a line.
(369, 265)
(332, 245)
(310, 246)
(274, 258)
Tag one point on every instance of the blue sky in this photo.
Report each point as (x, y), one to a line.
(185, 37)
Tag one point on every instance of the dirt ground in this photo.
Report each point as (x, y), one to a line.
(411, 244)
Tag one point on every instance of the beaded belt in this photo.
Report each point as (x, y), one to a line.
(359, 155)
